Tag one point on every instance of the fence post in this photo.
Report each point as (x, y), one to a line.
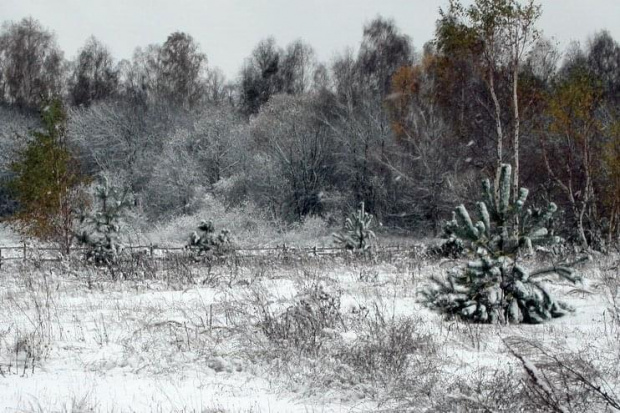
(24, 257)
(0, 258)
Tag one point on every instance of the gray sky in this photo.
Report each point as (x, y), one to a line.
(228, 30)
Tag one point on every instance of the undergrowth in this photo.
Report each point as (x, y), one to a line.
(345, 328)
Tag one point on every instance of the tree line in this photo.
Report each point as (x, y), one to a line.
(410, 132)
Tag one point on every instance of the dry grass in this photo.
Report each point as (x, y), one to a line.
(314, 334)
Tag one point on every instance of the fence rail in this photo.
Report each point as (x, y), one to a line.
(25, 251)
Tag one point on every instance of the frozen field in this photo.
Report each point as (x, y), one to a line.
(332, 335)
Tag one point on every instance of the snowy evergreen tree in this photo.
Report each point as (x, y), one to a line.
(357, 233)
(101, 229)
(46, 181)
(207, 243)
(495, 287)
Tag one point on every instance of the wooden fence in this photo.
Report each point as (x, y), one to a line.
(26, 251)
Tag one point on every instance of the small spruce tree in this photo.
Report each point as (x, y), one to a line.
(207, 243)
(357, 232)
(101, 229)
(494, 287)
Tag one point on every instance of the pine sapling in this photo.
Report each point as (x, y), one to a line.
(357, 233)
(494, 286)
(207, 243)
(101, 228)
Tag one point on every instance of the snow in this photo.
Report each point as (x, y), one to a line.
(148, 346)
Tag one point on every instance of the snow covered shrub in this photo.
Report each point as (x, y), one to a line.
(383, 349)
(311, 231)
(207, 243)
(315, 313)
(100, 229)
(565, 380)
(357, 233)
(453, 247)
(495, 287)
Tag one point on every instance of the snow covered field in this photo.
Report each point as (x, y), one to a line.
(335, 335)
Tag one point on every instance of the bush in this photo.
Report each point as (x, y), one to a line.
(383, 351)
(563, 382)
(313, 314)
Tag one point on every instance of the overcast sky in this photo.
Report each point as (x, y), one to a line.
(228, 30)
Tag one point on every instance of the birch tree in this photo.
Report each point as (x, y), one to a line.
(501, 33)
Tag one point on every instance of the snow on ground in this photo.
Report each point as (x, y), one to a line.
(150, 345)
(8, 236)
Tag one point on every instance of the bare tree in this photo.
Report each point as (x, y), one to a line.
(216, 87)
(360, 129)
(176, 182)
(287, 131)
(569, 143)
(217, 142)
(543, 60)
(139, 76)
(182, 69)
(500, 33)
(94, 75)
(271, 70)
(425, 159)
(260, 77)
(384, 49)
(174, 73)
(193, 159)
(123, 138)
(32, 64)
(298, 68)
(604, 63)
